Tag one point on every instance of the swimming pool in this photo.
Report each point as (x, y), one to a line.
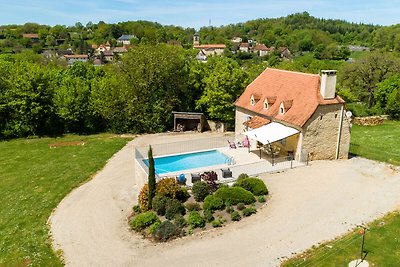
(188, 161)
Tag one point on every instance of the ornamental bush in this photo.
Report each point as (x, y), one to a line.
(241, 206)
(261, 199)
(249, 211)
(254, 185)
(235, 195)
(195, 220)
(152, 229)
(193, 206)
(174, 207)
(144, 198)
(208, 215)
(144, 220)
(159, 204)
(165, 231)
(216, 223)
(182, 194)
(200, 190)
(242, 176)
(168, 187)
(212, 203)
(235, 216)
(180, 221)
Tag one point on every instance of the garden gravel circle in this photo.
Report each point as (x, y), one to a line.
(306, 206)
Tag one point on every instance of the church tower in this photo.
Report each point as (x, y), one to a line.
(196, 39)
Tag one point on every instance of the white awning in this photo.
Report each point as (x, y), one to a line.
(271, 132)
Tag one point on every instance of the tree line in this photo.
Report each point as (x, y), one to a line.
(136, 95)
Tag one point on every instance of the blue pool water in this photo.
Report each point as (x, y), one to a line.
(188, 161)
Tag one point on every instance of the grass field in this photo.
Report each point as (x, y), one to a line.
(33, 180)
(382, 240)
(381, 142)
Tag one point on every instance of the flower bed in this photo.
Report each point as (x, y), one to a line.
(176, 212)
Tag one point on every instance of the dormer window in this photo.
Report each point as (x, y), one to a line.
(265, 104)
(285, 106)
(269, 101)
(254, 98)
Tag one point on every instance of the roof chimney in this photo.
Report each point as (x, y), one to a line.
(328, 84)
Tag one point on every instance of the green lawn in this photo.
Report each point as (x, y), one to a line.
(382, 241)
(33, 180)
(381, 142)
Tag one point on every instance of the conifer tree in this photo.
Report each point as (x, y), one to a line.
(151, 177)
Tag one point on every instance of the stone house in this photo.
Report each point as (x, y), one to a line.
(261, 50)
(244, 47)
(297, 113)
(126, 39)
(71, 59)
(211, 49)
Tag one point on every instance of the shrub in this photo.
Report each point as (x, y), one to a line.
(153, 227)
(229, 209)
(210, 178)
(136, 209)
(173, 208)
(208, 215)
(235, 216)
(144, 198)
(241, 206)
(200, 190)
(168, 187)
(261, 199)
(183, 194)
(195, 220)
(249, 211)
(165, 231)
(235, 195)
(254, 185)
(193, 206)
(151, 177)
(216, 223)
(212, 202)
(159, 204)
(144, 220)
(180, 221)
(242, 176)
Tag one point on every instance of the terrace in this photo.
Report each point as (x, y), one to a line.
(250, 160)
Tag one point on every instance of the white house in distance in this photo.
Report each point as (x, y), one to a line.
(297, 113)
(71, 59)
(125, 39)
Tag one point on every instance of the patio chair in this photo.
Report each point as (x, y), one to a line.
(232, 144)
(246, 142)
(195, 177)
(226, 173)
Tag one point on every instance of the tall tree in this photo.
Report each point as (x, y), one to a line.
(151, 177)
(363, 75)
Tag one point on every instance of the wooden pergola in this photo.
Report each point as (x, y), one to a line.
(189, 116)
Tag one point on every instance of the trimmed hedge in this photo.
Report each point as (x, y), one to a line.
(254, 185)
(212, 203)
(144, 220)
(195, 220)
(235, 195)
(200, 190)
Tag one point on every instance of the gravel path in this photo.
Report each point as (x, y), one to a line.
(307, 206)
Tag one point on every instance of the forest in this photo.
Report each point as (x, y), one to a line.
(159, 73)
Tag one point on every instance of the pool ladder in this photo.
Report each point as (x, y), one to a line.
(230, 161)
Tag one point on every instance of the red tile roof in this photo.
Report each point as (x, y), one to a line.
(298, 91)
(256, 122)
(30, 35)
(212, 46)
(76, 56)
(261, 47)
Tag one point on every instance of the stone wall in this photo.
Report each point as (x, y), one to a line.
(321, 134)
(241, 115)
(369, 121)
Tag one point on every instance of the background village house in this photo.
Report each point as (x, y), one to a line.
(298, 113)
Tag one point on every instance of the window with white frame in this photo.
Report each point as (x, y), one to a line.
(252, 101)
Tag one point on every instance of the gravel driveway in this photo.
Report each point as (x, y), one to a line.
(308, 205)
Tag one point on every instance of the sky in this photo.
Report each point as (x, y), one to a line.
(193, 13)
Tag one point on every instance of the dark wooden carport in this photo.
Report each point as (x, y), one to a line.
(189, 116)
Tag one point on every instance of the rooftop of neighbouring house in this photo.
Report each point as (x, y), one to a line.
(299, 93)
